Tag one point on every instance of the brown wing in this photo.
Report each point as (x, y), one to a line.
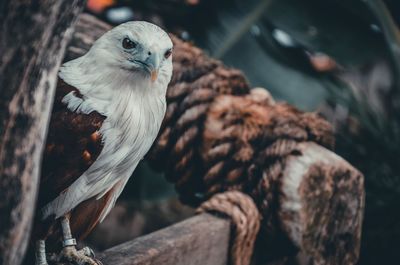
(73, 144)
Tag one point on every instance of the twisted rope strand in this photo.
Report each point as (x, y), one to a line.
(245, 217)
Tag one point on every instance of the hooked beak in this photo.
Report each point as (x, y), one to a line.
(150, 65)
(153, 63)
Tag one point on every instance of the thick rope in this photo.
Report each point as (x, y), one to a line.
(245, 217)
(221, 137)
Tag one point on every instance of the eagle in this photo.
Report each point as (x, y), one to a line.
(108, 109)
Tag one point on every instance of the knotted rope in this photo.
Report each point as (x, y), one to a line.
(245, 217)
(219, 135)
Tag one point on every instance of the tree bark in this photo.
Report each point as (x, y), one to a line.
(33, 37)
(322, 205)
(200, 240)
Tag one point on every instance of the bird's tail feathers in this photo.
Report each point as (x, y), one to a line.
(66, 201)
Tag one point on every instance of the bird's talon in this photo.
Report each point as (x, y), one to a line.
(87, 251)
(72, 256)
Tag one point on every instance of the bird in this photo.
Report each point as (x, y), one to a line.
(108, 108)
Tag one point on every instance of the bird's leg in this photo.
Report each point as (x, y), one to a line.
(69, 252)
(68, 240)
(40, 253)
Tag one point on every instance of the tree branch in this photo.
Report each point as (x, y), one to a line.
(33, 38)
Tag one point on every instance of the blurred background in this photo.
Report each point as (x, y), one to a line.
(340, 58)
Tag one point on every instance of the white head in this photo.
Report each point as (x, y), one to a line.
(133, 52)
(139, 47)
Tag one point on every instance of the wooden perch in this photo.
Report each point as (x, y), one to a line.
(322, 205)
(313, 213)
(33, 37)
(306, 194)
(200, 240)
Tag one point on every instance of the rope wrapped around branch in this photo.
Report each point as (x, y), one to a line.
(244, 214)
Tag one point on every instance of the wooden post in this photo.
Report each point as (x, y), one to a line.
(200, 240)
(322, 205)
(33, 37)
(320, 210)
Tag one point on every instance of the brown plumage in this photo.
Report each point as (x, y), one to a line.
(73, 143)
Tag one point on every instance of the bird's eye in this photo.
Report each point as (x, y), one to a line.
(167, 54)
(128, 44)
